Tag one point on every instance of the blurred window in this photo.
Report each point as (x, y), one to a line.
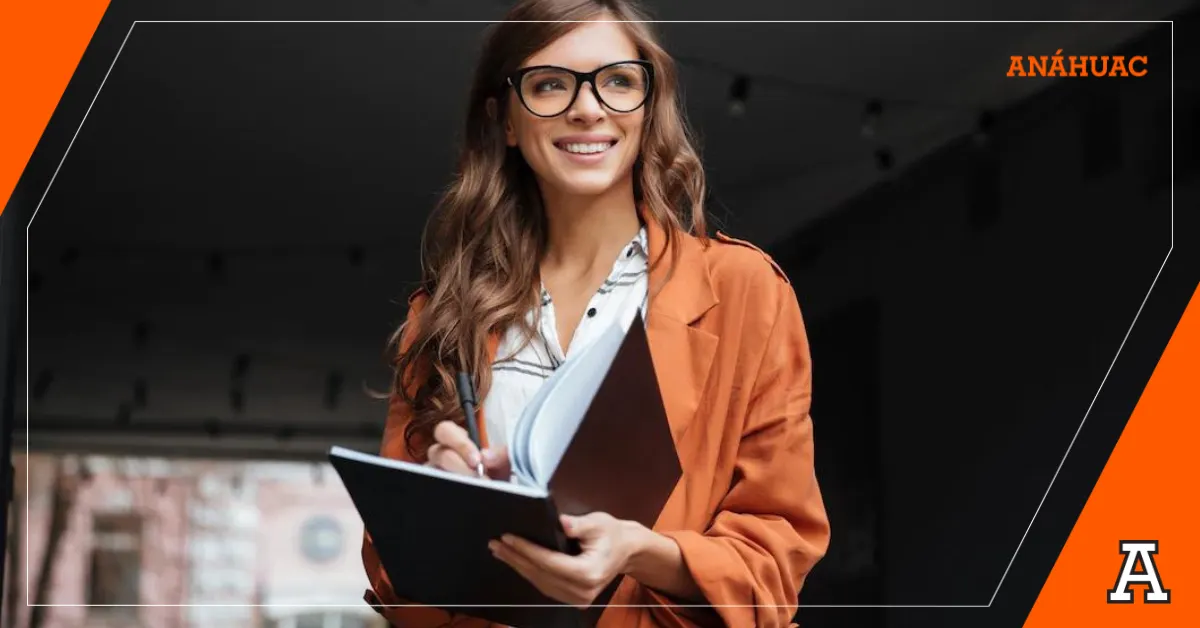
(116, 563)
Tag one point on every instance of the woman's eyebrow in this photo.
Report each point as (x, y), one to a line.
(576, 69)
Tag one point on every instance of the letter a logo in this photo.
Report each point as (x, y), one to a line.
(1139, 552)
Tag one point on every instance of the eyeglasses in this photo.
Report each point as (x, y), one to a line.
(548, 91)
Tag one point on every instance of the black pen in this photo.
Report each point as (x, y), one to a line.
(466, 398)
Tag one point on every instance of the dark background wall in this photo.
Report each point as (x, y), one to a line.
(962, 310)
(962, 318)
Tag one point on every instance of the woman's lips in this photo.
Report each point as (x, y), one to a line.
(585, 152)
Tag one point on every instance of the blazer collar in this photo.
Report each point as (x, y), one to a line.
(684, 284)
(683, 354)
(681, 292)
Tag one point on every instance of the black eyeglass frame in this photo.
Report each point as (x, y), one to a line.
(514, 81)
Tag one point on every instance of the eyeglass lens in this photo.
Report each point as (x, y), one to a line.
(548, 91)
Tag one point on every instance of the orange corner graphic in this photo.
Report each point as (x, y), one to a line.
(1142, 511)
(41, 43)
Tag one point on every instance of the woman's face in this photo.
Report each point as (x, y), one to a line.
(589, 148)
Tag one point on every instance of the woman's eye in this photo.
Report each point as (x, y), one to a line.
(549, 85)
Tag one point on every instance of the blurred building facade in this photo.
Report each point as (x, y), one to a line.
(183, 543)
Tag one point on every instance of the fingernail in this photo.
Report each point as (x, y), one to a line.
(473, 459)
(506, 539)
(492, 545)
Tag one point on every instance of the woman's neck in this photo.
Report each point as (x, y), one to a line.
(587, 233)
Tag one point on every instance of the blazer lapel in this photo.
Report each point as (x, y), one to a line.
(493, 346)
(682, 354)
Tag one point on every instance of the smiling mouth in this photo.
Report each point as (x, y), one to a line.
(585, 148)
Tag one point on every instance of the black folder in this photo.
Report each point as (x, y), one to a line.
(431, 528)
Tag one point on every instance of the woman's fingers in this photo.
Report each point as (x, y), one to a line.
(546, 583)
(445, 458)
(452, 436)
(497, 464)
(562, 567)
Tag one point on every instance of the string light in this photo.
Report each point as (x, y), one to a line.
(873, 110)
(983, 128)
(241, 365)
(355, 255)
(333, 389)
(739, 91)
(42, 384)
(124, 414)
(141, 334)
(237, 399)
(884, 158)
(871, 118)
(237, 377)
(810, 90)
(216, 266)
(139, 393)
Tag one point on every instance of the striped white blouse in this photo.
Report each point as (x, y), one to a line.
(518, 372)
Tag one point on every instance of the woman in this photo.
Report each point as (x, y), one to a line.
(578, 203)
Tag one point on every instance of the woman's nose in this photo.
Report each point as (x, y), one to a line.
(587, 107)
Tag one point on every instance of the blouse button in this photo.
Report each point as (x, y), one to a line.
(591, 312)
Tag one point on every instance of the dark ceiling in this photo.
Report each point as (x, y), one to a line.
(258, 189)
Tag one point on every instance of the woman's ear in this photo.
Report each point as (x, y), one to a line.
(510, 134)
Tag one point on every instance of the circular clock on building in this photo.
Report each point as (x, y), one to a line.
(321, 539)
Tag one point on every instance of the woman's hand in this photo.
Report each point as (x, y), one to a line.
(453, 451)
(608, 544)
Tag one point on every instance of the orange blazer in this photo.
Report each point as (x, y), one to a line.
(732, 358)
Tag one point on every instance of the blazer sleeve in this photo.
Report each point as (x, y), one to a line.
(381, 596)
(771, 527)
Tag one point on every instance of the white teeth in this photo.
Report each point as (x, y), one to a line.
(587, 149)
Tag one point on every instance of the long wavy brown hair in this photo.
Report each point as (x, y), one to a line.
(483, 243)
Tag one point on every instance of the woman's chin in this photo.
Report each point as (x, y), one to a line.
(585, 185)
